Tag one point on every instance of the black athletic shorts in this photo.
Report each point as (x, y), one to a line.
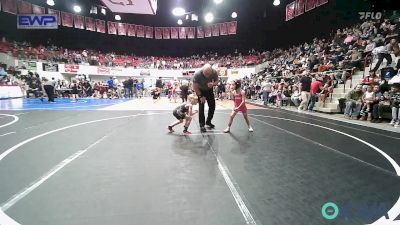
(179, 115)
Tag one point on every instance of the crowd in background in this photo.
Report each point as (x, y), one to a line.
(297, 76)
(52, 53)
(309, 72)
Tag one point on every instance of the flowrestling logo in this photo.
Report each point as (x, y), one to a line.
(32, 21)
(357, 210)
(370, 15)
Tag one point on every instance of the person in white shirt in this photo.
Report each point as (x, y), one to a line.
(382, 53)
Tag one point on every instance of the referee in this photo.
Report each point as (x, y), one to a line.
(203, 82)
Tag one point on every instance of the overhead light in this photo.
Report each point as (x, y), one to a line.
(178, 11)
(187, 16)
(195, 17)
(77, 8)
(234, 15)
(180, 22)
(50, 2)
(117, 17)
(103, 11)
(93, 10)
(209, 17)
(276, 2)
(218, 1)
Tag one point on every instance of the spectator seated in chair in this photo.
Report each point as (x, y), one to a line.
(353, 103)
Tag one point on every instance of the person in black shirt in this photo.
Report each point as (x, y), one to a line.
(129, 86)
(159, 85)
(204, 81)
(305, 88)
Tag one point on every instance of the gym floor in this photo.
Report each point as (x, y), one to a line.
(114, 162)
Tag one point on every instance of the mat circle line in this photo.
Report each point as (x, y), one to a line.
(393, 212)
(16, 118)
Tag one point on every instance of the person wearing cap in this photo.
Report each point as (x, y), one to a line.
(204, 81)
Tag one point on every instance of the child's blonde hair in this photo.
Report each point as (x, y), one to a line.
(192, 97)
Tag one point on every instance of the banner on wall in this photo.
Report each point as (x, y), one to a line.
(299, 7)
(174, 32)
(90, 25)
(9, 6)
(121, 28)
(67, 19)
(207, 31)
(139, 31)
(322, 2)
(190, 32)
(158, 33)
(223, 29)
(79, 22)
(290, 11)
(310, 4)
(50, 67)
(182, 33)
(112, 27)
(103, 70)
(131, 30)
(232, 27)
(166, 33)
(222, 71)
(101, 26)
(24, 7)
(71, 68)
(38, 9)
(215, 30)
(130, 6)
(149, 32)
(55, 12)
(200, 32)
(188, 73)
(28, 65)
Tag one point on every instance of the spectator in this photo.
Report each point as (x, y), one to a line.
(295, 96)
(368, 99)
(305, 88)
(353, 103)
(316, 87)
(382, 103)
(382, 53)
(395, 102)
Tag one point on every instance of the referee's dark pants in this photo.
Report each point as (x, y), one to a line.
(209, 95)
(50, 92)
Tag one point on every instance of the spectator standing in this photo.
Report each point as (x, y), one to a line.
(305, 88)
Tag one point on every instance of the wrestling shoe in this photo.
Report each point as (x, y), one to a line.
(251, 129)
(186, 132)
(203, 129)
(170, 129)
(212, 126)
(227, 130)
